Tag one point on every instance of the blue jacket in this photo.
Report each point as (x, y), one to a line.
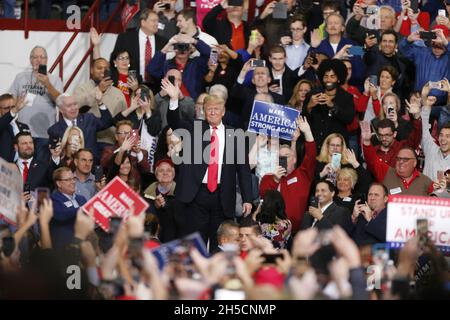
(359, 69)
(193, 73)
(370, 232)
(89, 124)
(63, 221)
(428, 66)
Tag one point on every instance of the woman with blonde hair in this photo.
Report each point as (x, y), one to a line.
(299, 93)
(71, 142)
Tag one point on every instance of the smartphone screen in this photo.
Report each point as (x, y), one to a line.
(283, 162)
(275, 82)
(258, 63)
(373, 80)
(336, 160)
(356, 51)
(42, 69)
(132, 74)
(98, 173)
(415, 6)
(314, 202)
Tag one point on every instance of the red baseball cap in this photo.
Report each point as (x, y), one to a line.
(165, 160)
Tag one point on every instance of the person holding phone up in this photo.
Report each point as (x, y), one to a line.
(294, 182)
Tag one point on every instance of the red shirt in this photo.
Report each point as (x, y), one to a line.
(295, 187)
(122, 84)
(423, 19)
(237, 36)
(360, 102)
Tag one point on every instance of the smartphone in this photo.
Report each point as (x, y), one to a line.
(324, 238)
(280, 11)
(26, 187)
(42, 69)
(257, 63)
(422, 230)
(41, 194)
(380, 254)
(135, 246)
(132, 74)
(282, 161)
(107, 74)
(427, 35)
(372, 10)
(114, 225)
(9, 244)
(182, 47)
(373, 79)
(166, 6)
(214, 55)
(314, 202)
(362, 199)
(144, 94)
(135, 133)
(235, 3)
(336, 160)
(314, 58)
(356, 51)
(54, 143)
(440, 175)
(390, 109)
(275, 82)
(75, 140)
(271, 257)
(415, 6)
(98, 173)
(441, 12)
(435, 85)
(172, 79)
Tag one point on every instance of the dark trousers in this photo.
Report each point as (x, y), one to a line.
(204, 215)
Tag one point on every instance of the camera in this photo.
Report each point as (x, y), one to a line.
(181, 47)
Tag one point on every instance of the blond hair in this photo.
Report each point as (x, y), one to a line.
(66, 137)
(382, 115)
(348, 173)
(324, 152)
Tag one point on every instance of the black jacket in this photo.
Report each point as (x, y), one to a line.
(333, 215)
(370, 232)
(221, 29)
(325, 121)
(7, 151)
(288, 81)
(190, 173)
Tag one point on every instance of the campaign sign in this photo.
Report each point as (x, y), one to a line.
(273, 120)
(11, 187)
(179, 250)
(203, 7)
(402, 215)
(115, 200)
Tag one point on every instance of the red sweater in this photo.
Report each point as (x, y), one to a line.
(294, 187)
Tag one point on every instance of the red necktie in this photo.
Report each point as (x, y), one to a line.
(213, 167)
(25, 171)
(148, 57)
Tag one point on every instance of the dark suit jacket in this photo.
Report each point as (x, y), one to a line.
(370, 233)
(7, 151)
(190, 175)
(334, 215)
(40, 174)
(89, 124)
(129, 41)
(63, 221)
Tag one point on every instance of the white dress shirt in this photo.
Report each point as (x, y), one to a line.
(20, 162)
(142, 43)
(70, 122)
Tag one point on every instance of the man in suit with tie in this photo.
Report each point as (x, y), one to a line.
(87, 122)
(35, 172)
(65, 206)
(141, 44)
(9, 125)
(327, 214)
(206, 184)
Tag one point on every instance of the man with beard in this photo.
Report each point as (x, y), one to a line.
(330, 109)
(389, 146)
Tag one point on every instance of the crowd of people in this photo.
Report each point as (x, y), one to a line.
(303, 218)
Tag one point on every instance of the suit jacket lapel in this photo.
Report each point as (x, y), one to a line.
(330, 209)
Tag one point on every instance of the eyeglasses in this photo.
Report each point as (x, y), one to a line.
(123, 133)
(122, 58)
(400, 159)
(68, 179)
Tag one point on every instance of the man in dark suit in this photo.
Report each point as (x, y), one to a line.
(9, 125)
(327, 214)
(141, 43)
(87, 122)
(65, 206)
(370, 218)
(35, 172)
(206, 186)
